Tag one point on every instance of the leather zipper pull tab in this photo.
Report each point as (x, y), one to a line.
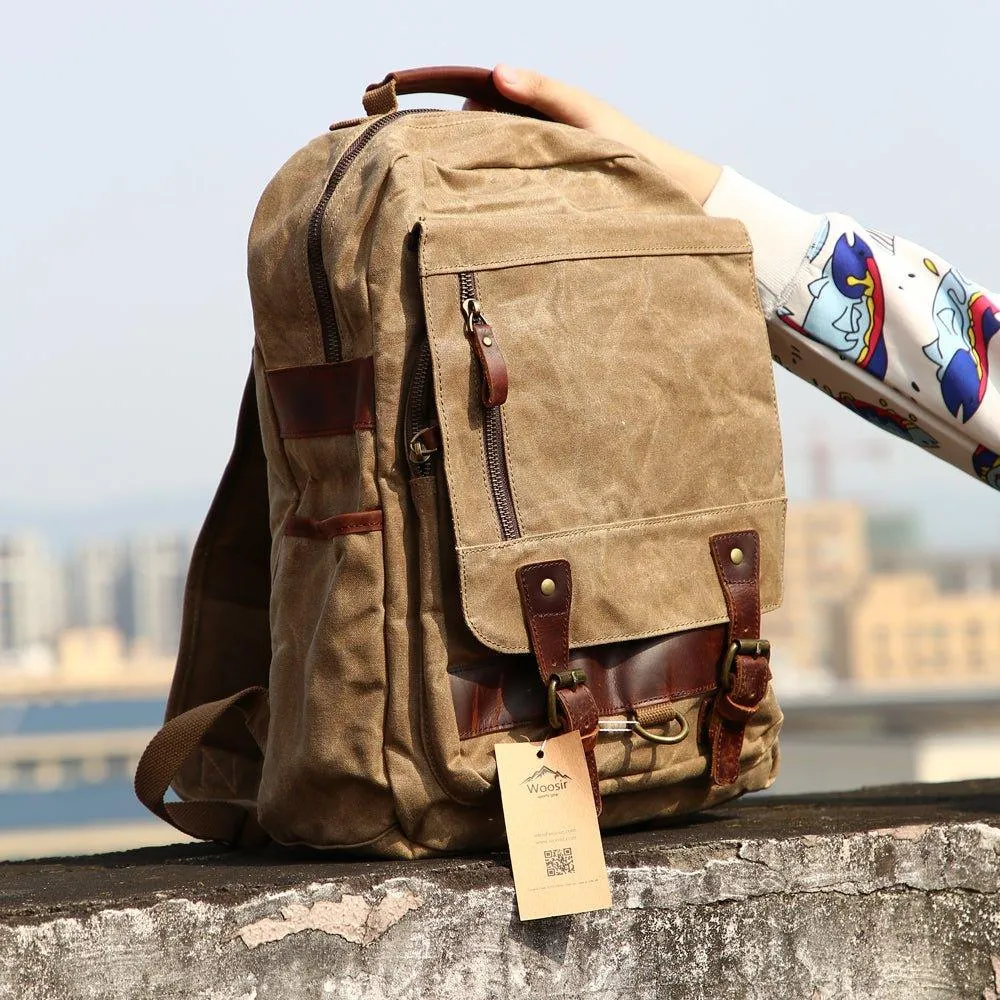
(495, 382)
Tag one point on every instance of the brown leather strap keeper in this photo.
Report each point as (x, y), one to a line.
(737, 562)
(352, 523)
(322, 400)
(471, 82)
(546, 591)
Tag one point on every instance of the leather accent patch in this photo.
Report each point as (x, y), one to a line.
(750, 676)
(353, 523)
(496, 381)
(495, 695)
(321, 400)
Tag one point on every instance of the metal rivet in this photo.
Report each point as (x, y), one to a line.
(548, 587)
(736, 557)
(487, 341)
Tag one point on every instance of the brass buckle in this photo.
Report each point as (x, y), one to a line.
(742, 647)
(567, 679)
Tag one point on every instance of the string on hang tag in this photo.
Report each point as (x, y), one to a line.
(541, 749)
(616, 725)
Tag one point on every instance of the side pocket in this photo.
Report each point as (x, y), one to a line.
(324, 782)
(463, 773)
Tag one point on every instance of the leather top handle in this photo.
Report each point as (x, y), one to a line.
(470, 82)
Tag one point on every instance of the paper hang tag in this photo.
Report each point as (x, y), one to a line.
(552, 833)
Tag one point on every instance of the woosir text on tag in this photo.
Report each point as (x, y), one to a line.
(552, 833)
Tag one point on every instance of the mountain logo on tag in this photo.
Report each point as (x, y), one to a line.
(546, 781)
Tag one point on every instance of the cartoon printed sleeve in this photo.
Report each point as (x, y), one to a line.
(887, 328)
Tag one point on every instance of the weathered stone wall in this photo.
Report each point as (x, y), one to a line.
(891, 894)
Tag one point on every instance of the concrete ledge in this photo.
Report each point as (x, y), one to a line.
(887, 893)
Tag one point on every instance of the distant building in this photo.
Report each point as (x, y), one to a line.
(966, 572)
(826, 563)
(31, 593)
(153, 590)
(904, 630)
(894, 540)
(95, 585)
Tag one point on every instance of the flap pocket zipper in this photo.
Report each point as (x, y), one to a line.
(495, 383)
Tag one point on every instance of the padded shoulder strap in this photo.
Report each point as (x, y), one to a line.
(225, 636)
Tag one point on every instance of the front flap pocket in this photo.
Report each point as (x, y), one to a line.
(605, 395)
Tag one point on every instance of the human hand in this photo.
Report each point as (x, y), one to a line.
(570, 106)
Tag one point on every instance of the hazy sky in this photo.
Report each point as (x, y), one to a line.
(138, 136)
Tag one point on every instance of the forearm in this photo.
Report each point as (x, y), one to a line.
(884, 326)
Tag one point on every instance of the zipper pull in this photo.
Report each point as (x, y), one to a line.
(423, 444)
(491, 360)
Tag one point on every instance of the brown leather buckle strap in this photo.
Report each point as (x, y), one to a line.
(546, 591)
(747, 670)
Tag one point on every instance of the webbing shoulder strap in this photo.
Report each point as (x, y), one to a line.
(207, 819)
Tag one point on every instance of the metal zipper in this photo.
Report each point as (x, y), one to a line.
(419, 425)
(322, 292)
(497, 471)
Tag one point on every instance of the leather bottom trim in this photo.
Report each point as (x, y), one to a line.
(505, 691)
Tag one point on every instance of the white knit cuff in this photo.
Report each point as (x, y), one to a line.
(779, 232)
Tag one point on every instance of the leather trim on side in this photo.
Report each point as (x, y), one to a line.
(503, 692)
(352, 523)
(321, 400)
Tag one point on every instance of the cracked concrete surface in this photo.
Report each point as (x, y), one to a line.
(814, 899)
(353, 918)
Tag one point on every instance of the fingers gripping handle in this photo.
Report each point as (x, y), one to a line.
(471, 82)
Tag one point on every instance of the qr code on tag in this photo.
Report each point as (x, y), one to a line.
(559, 861)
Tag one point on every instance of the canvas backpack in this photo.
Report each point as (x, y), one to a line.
(507, 464)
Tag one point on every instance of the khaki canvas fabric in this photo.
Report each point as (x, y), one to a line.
(640, 422)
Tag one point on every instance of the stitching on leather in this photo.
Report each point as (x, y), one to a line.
(349, 523)
(535, 614)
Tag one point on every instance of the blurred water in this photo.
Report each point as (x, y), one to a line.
(33, 718)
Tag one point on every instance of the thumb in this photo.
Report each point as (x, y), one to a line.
(559, 101)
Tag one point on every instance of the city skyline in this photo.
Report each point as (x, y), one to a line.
(132, 585)
(145, 339)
